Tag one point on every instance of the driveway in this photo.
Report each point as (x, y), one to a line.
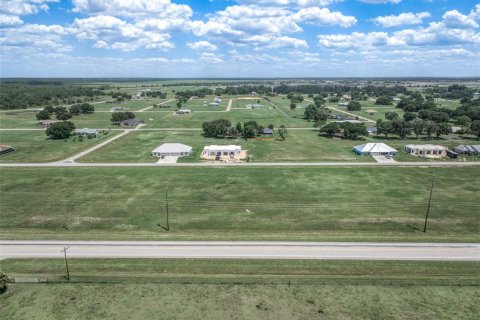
(383, 159)
(168, 159)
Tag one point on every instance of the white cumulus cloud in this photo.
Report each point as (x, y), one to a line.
(324, 17)
(202, 46)
(407, 18)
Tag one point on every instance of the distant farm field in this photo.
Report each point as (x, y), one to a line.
(240, 203)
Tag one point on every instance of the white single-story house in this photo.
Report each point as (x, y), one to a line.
(183, 111)
(343, 104)
(426, 150)
(215, 104)
(87, 132)
(222, 150)
(253, 106)
(374, 149)
(372, 130)
(172, 149)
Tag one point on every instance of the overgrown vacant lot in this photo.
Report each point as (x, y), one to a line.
(210, 301)
(162, 118)
(35, 146)
(300, 145)
(132, 105)
(240, 203)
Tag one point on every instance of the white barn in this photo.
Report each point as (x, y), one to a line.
(222, 150)
(172, 149)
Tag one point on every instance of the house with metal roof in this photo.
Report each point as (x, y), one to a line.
(131, 122)
(426, 150)
(87, 132)
(172, 149)
(374, 149)
(468, 149)
(267, 132)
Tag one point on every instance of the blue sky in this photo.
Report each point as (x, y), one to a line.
(242, 38)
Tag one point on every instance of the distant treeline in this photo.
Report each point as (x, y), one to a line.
(24, 95)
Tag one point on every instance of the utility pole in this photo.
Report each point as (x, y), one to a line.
(66, 261)
(166, 203)
(428, 207)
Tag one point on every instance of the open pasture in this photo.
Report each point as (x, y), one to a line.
(360, 204)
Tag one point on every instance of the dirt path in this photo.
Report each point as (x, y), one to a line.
(147, 108)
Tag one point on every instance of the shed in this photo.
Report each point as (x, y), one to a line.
(372, 130)
(46, 123)
(183, 111)
(374, 149)
(253, 106)
(172, 149)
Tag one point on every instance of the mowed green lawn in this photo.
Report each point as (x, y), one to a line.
(240, 203)
(300, 145)
(35, 146)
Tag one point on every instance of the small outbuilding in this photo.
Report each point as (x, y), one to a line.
(87, 132)
(267, 132)
(468, 149)
(374, 149)
(253, 106)
(183, 111)
(372, 130)
(46, 123)
(426, 150)
(5, 149)
(172, 149)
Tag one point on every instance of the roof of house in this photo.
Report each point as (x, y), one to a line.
(374, 147)
(172, 148)
(254, 105)
(86, 131)
(349, 121)
(267, 131)
(215, 147)
(184, 110)
(468, 148)
(373, 129)
(426, 147)
(131, 121)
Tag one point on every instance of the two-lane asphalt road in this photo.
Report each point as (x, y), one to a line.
(242, 250)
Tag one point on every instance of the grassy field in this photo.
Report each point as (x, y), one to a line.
(357, 204)
(246, 271)
(300, 145)
(207, 301)
(161, 118)
(132, 105)
(241, 289)
(34, 146)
